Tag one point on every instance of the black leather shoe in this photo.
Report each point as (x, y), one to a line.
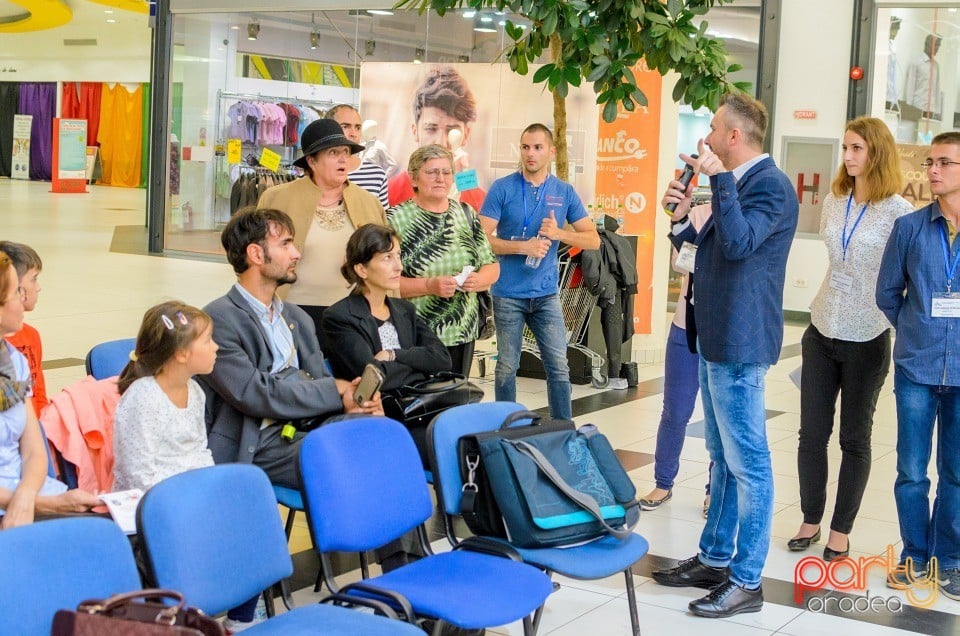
(691, 573)
(801, 544)
(728, 599)
(829, 554)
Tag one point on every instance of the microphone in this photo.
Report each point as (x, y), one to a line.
(684, 179)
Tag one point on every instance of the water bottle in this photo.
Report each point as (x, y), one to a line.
(534, 261)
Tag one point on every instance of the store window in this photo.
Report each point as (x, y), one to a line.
(247, 83)
(915, 89)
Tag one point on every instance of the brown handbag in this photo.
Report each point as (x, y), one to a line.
(135, 614)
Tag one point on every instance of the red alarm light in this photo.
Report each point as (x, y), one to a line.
(856, 73)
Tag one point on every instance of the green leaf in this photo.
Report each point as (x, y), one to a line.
(733, 68)
(610, 111)
(543, 72)
(598, 72)
(572, 75)
(549, 24)
(640, 97)
(561, 89)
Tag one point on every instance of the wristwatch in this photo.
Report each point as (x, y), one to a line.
(679, 221)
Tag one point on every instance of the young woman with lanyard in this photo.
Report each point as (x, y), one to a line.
(846, 348)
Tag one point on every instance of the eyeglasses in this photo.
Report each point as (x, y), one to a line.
(940, 163)
(437, 172)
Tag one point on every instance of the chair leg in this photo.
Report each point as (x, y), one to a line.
(632, 601)
(286, 595)
(268, 602)
(319, 582)
(288, 527)
(364, 566)
(437, 628)
(529, 629)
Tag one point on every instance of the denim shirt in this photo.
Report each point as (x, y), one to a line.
(276, 329)
(927, 349)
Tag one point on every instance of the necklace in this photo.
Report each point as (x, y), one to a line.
(331, 217)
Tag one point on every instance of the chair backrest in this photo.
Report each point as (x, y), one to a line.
(442, 436)
(108, 359)
(363, 484)
(57, 564)
(214, 535)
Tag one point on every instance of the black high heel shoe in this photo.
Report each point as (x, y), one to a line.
(829, 554)
(802, 543)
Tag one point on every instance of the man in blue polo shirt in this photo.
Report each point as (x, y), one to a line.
(523, 216)
(921, 259)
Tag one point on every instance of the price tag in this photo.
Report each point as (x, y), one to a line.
(466, 180)
(269, 159)
(234, 151)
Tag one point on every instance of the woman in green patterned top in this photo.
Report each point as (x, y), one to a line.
(439, 237)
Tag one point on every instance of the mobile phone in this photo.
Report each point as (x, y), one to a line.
(369, 384)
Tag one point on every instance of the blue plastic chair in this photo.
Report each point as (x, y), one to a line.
(214, 535)
(57, 564)
(595, 560)
(108, 359)
(363, 486)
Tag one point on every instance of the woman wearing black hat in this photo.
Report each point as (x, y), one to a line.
(326, 209)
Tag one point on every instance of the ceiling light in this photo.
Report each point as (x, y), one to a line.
(463, 58)
(314, 39)
(418, 56)
(111, 20)
(235, 27)
(469, 13)
(253, 30)
(108, 10)
(369, 47)
(484, 26)
(379, 11)
(486, 17)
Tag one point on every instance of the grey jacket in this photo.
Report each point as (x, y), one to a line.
(241, 391)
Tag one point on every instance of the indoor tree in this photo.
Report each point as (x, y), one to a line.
(600, 41)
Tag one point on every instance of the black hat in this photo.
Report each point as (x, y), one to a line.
(320, 135)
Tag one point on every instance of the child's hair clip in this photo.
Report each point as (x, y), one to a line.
(166, 322)
(133, 356)
(183, 319)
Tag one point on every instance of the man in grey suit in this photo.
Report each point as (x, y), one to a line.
(269, 369)
(735, 316)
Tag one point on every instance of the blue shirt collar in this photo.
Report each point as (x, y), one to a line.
(262, 311)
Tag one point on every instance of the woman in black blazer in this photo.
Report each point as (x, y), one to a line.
(368, 326)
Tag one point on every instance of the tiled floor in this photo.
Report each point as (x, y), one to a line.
(91, 294)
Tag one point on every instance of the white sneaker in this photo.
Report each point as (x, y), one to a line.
(232, 627)
(620, 384)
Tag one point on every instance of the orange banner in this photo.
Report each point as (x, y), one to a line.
(627, 161)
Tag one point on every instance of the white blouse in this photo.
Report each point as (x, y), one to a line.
(853, 314)
(154, 439)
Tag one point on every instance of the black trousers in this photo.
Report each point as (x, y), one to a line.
(855, 371)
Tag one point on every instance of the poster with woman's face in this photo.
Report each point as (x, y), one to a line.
(487, 105)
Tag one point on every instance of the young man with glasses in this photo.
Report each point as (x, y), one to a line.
(918, 289)
(524, 216)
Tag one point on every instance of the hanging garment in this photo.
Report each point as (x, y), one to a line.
(121, 135)
(9, 103)
(40, 100)
(70, 102)
(90, 109)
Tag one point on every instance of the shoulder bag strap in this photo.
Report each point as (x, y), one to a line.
(583, 500)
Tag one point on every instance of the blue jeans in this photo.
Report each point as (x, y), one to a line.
(545, 319)
(741, 482)
(680, 387)
(927, 535)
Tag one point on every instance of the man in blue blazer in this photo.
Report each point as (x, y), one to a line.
(735, 317)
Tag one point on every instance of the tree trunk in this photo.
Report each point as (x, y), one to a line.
(559, 117)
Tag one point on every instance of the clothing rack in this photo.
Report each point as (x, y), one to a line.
(222, 96)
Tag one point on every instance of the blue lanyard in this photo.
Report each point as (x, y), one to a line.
(844, 237)
(523, 195)
(950, 269)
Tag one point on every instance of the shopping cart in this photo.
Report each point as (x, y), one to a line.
(576, 304)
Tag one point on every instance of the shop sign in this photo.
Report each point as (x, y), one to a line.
(20, 157)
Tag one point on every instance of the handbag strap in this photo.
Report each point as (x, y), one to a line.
(168, 614)
(521, 415)
(583, 500)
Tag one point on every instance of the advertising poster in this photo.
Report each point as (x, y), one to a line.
(20, 157)
(72, 139)
(811, 164)
(626, 186)
(916, 188)
(500, 105)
